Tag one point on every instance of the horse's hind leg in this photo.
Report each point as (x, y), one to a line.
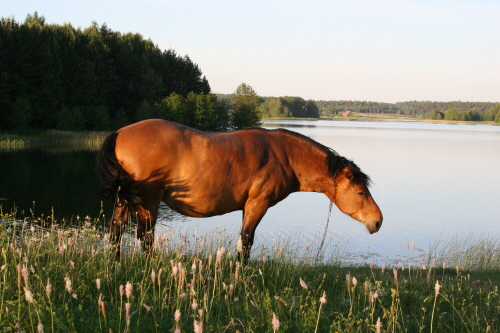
(146, 219)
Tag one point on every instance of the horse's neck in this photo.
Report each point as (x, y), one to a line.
(309, 165)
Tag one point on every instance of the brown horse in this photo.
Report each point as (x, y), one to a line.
(205, 174)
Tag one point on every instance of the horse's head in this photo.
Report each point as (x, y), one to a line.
(353, 198)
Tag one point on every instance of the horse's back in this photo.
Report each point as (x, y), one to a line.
(151, 145)
(214, 173)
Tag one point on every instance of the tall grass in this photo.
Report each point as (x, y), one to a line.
(67, 280)
(468, 251)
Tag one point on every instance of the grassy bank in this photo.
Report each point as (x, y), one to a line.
(66, 280)
(52, 138)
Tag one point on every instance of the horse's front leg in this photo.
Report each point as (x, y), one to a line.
(253, 213)
(146, 220)
(145, 229)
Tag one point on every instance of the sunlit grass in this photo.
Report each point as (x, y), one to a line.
(56, 279)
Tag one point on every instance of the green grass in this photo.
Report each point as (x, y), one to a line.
(67, 280)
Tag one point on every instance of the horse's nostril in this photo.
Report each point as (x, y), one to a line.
(377, 225)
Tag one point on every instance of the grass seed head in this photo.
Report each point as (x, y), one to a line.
(437, 287)
(197, 327)
(303, 284)
(275, 322)
(29, 295)
(153, 276)
(48, 287)
(378, 326)
(177, 315)
(68, 284)
(322, 300)
(24, 274)
(239, 246)
(128, 289)
(194, 305)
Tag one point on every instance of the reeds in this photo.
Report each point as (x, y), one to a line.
(53, 139)
(89, 139)
(13, 141)
(61, 280)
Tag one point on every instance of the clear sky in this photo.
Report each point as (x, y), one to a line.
(376, 50)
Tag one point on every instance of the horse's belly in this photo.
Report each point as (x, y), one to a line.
(203, 207)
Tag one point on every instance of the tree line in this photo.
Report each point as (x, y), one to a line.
(456, 110)
(60, 77)
(334, 108)
(491, 114)
(287, 106)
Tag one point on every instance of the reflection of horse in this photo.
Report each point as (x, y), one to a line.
(205, 174)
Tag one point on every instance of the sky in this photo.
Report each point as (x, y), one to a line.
(372, 50)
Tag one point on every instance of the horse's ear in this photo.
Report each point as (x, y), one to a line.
(349, 175)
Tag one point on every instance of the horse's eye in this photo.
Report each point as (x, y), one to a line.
(361, 193)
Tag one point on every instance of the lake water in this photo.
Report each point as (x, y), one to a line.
(431, 181)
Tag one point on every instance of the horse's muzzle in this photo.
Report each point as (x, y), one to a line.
(374, 227)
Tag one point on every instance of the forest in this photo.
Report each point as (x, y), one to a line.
(60, 77)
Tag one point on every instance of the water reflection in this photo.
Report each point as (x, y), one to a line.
(40, 181)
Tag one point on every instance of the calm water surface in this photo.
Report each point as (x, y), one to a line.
(432, 181)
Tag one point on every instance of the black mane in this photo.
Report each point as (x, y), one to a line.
(335, 163)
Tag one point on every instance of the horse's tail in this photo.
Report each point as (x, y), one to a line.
(114, 180)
